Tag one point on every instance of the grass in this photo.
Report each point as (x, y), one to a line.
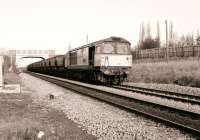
(25, 129)
(22, 119)
(17, 119)
(186, 73)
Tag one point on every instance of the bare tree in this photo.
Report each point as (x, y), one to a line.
(146, 41)
(171, 27)
(142, 34)
(158, 34)
(171, 34)
(158, 30)
(148, 31)
(198, 38)
(187, 40)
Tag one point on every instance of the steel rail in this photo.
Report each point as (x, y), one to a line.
(161, 94)
(178, 94)
(164, 114)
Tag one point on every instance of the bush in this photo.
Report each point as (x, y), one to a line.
(186, 73)
(150, 43)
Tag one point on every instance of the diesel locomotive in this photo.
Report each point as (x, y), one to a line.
(107, 61)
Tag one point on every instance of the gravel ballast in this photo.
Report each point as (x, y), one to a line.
(98, 118)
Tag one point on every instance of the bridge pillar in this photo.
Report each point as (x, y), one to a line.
(12, 54)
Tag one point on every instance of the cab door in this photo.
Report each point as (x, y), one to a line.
(91, 55)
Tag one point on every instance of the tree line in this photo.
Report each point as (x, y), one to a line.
(146, 41)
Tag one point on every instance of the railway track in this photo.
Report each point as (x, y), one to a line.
(184, 120)
(186, 98)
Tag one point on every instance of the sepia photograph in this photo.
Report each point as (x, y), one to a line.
(99, 69)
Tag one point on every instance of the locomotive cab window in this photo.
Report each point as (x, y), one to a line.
(122, 48)
(108, 48)
(113, 48)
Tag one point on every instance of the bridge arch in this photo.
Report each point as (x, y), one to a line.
(20, 61)
(32, 57)
(18, 55)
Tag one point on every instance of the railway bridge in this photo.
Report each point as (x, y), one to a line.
(17, 55)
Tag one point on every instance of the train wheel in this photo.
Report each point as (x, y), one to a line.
(101, 78)
(117, 80)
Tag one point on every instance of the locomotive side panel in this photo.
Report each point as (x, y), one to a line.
(82, 57)
(73, 58)
(52, 61)
(66, 57)
(78, 59)
(47, 62)
(79, 56)
(60, 61)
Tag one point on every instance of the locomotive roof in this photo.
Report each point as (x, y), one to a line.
(56, 56)
(110, 39)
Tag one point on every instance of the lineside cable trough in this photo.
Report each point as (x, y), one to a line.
(7, 88)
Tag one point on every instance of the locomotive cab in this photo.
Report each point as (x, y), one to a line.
(113, 58)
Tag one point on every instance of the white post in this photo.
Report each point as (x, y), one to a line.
(1, 72)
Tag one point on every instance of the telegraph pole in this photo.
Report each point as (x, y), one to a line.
(167, 56)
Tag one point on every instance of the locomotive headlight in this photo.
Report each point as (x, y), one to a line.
(107, 72)
(127, 72)
(128, 59)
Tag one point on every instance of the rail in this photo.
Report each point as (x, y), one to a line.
(181, 119)
(193, 99)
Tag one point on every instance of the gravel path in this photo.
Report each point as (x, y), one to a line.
(98, 118)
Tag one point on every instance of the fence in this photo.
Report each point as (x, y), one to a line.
(160, 54)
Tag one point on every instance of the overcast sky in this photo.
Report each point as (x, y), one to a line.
(54, 24)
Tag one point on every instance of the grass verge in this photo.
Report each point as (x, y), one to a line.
(21, 119)
(185, 73)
